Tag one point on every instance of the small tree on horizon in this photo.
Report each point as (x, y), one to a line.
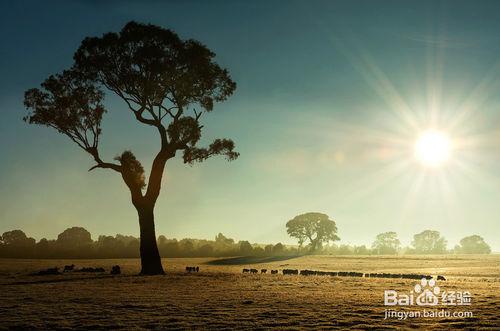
(166, 83)
(429, 242)
(473, 245)
(386, 243)
(315, 227)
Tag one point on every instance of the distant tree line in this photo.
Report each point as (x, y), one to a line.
(320, 234)
(426, 242)
(76, 242)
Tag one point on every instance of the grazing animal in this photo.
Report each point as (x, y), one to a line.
(246, 270)
(197, 269)
(308, 272)
(69, 267)
(441, 277)
(274, 272)
(116, 270)
(254, 271)
(263, 271)
(290, 272)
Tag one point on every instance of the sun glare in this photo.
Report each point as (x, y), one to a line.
(433, 149)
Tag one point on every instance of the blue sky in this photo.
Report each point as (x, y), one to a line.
(327, 92)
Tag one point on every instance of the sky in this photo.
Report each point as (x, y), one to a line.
(331, 98)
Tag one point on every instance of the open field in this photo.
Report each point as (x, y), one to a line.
(220, 296)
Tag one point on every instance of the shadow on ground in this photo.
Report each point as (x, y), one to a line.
(240, 260)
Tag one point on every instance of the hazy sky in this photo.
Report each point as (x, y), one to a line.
(331, 97)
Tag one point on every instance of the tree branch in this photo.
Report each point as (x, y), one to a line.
(100, 163)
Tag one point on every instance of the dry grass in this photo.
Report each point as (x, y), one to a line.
(221, 297)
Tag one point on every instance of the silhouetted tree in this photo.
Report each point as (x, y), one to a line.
(429, 242)
(258, 251)
(74, 237)
(166, 83)
(110, 247)
(245, 248)
(268, 249)
(44, 248)
(17, 238)
(186, 246)
(315, 227)
(17, 244)
(223, 240)
(386, 243)
(473, 245)
(205, 250)
(361, 250)
(278, 249)
(162, 240)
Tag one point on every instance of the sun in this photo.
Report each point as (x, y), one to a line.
(433, 148)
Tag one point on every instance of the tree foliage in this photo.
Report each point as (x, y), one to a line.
(429, 242)
(69, 103)
(386, 243)
(74, 237)
(315, 227)
(473, 245)
(165, 82)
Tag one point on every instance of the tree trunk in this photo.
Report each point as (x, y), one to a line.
(150, 257)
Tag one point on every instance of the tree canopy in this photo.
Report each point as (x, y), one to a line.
(315, 227)
(160, 78)
(386, 243)
(473, 245)
(75, 236)
(429, 242)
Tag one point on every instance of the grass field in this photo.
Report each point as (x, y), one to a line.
(220, 296)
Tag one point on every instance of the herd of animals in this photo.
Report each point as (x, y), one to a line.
(115, 270)
(341, 274)
(192, 269)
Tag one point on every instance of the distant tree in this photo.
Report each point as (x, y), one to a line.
(386, 243)
(162, 240)
(74, 237)
(245, 248)
(186, 246)
(429, 242)
(206, 250)
(278, 249)
(473, 245)
(110, 247)
(259, 251)
(315, 227)
(361, 250)
(17, 244)
(345, 250)
(268, 250)
(167, 84)
(17, 239)
(223, 240)
(43, 248)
